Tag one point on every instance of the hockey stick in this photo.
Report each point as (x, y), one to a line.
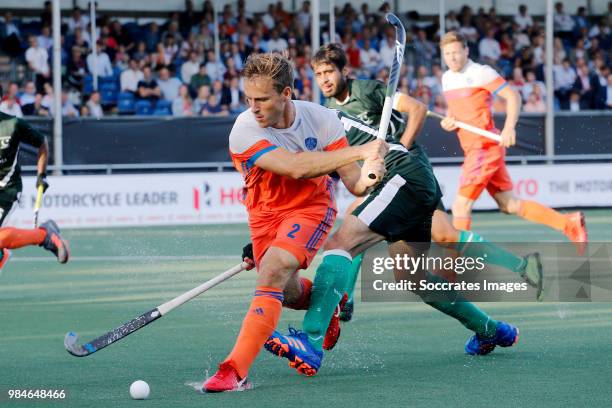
(37, 204)
(473, 129)
(78, 350)
(394, 74)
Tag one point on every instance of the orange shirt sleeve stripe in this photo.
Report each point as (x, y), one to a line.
(337, 145)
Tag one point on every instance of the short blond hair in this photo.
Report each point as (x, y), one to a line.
(270, 65)
(451, 37)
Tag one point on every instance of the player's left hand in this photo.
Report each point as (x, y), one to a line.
(41, 180)
(247, 255)
(508, 136)
(372, 166)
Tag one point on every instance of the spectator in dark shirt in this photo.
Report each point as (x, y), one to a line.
(76, 69)
(121, 36)
(152, 37)
(200, 79)
(148, 87)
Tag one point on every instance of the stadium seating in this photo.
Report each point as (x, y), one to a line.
(143, 107)
(126, 103)
(163, 108)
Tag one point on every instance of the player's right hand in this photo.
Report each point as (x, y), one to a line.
(449, 124)
(375, 167)
(247, 255)
(41, 181)
(376, 149)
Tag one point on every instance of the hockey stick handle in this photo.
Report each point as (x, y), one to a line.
(187, 296)
(470, 128)
(37, 204)
(394, 74)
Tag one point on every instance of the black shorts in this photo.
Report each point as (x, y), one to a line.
(394, 211)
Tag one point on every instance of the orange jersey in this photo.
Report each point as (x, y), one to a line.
(315, 128)
(469, 94)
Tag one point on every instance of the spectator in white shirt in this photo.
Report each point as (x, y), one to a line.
(538, 50)
(387, 51)
(574, 102)
(102, 62)
(531, 84)
(563, 23)
(182, 104)
(370, 58)
(68, 108)
(94, 106)
(29, 94)
(268, 18)
(303, 16)
(520, 38)
(451, 22)
(564, 76)
(130, 77)
(169, 86)
(77, 20)
(214, 69)
(190, 67)
(276, 43)
(468, 30)
(522, 18)
(489, 49)
(10, 27)
(44, 39)
(38, 61)
(11, 107)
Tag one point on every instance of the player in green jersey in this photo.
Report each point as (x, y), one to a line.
(13, 132)
(364, 99)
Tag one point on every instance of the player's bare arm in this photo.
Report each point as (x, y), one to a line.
(43, 154)
(417, 112)
(513, 109)
(315, 164)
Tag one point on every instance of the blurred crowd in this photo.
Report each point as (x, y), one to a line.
(170, 67)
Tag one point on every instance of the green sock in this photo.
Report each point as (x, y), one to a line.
(493, 254)
(353, 274)
(327, 290)
(465, 312)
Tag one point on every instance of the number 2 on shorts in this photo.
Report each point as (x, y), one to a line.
(296, 228)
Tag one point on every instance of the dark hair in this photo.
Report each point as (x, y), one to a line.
(330, 54)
